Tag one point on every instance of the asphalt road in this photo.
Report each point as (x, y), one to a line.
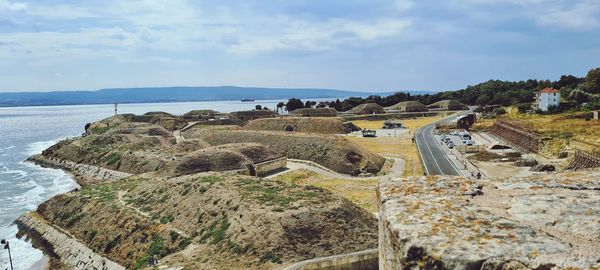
(434, 158)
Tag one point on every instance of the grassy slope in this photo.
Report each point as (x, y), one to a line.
(567, 131)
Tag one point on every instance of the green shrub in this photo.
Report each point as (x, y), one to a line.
(270, 257)
(113, 158)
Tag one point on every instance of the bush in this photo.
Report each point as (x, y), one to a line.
(499, 111)
(523, 107)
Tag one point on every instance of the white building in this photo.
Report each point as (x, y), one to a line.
(545, 98)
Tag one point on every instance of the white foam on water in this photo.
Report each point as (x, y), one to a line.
(38, 184)
(37, 147)
(23, 255)
(4, 149)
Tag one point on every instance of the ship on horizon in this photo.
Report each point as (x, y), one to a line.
(247, 99)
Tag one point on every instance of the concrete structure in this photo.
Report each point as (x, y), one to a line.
(548, 221)
(546, 98)
(270, 166)
(391, 124)
(362, 260)
(69, 250)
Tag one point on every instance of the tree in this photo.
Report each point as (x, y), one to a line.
(280, 106)
(265, 108)
(591, 82)
(258, 107)
(483, 100)
(293, 104)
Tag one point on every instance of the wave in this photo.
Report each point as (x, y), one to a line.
(3, 149)
(37, 147)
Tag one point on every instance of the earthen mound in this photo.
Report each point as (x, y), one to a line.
(314, 112)
(208, 221)
(333, 152)
(322, 125)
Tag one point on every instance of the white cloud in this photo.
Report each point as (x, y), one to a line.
(318, 36)
(12, 6)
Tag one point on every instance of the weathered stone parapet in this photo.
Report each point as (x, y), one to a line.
(547, 221)
(361, 260)
(70, 251)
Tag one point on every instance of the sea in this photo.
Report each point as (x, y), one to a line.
(25, 131)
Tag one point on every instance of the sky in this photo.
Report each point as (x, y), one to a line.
(370, 45)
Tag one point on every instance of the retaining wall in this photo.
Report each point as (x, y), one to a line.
(362, 260)
(583, 160)
(516, 136)
(57, 243)
(79, 170)
(266, 167)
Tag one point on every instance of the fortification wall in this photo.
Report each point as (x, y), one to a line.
(82, 172)
(583, 160)
(516, 136)
(266, 167)
(70, 251)
(362, 260)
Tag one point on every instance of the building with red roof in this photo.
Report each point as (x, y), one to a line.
(546, 98)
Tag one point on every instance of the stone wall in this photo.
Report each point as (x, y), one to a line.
(583, 160)
(80, 171)
(266, 167)
(57, 243)
(516, 136)
(548, 221)
(362, 260)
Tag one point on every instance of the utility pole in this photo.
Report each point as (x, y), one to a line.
(116, 104)
(7, 246)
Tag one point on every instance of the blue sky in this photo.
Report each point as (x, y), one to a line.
(371, 45)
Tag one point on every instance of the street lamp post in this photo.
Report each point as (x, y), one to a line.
(7, 246)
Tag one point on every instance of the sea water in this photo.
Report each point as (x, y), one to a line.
(25, 131)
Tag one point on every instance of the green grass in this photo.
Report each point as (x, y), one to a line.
(113, 158)
(209, 179)
(270, 257)
(217, 231)
(107, 193)
(277, 194)
(157, 247)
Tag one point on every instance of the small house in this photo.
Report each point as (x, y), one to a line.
(546, 98)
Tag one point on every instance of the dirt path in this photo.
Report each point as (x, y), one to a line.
(121, 201)
(293, 164)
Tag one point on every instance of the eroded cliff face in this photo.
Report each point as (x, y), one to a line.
(544, 222)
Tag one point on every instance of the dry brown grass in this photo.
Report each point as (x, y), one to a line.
(359, 191)
(566, 130)
(401, 147)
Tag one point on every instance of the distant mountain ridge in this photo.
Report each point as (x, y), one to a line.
(171, 94)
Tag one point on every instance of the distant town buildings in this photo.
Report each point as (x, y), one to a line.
(545, 98)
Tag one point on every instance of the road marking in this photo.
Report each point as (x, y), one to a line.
(432, 155)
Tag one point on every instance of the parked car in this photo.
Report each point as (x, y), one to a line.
(469, 142)
(443, 137)
(450, 145)
(447, 139)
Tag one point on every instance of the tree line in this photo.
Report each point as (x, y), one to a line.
(577, 94)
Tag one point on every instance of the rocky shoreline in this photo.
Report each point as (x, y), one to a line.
(83, 174)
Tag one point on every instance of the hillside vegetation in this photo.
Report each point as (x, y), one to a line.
(333, 152)
(211, 221)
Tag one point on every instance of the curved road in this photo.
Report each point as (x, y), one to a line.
(435, 160)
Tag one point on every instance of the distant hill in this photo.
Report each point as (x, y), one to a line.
(168, 94)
